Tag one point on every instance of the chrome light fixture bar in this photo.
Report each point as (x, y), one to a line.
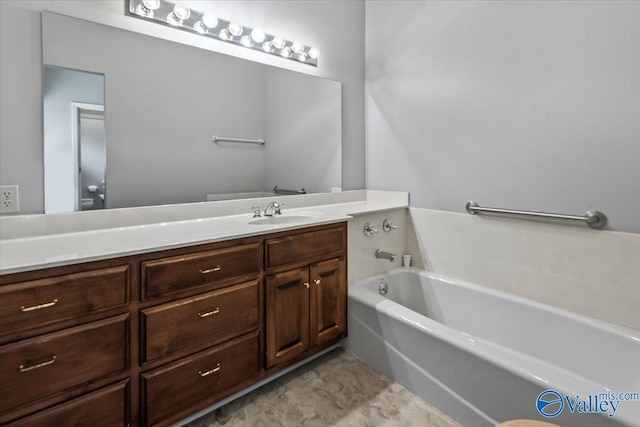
(207, 24)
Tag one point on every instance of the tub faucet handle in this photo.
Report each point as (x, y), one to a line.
(387, 225)
(369, 229)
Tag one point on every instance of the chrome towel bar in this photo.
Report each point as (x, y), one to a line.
(594, 219)
(284, 191)
(241, 140)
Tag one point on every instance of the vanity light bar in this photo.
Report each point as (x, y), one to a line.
(207, 24)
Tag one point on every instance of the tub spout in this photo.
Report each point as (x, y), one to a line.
(385, 255)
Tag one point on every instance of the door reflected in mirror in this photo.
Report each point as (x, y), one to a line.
(91, 152)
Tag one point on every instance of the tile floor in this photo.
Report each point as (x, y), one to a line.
(336, 389)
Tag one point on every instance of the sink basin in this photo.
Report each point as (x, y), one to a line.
(283, 219)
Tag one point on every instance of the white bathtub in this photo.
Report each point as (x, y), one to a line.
(483, 356)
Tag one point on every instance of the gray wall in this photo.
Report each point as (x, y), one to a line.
(341, 45)
(161, 110)
(525, 105)
(302, 127)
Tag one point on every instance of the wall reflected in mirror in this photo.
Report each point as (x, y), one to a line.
(164, 102)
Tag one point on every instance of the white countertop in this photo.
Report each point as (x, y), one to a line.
(33, 253)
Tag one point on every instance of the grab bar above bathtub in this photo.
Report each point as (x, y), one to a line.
(594, 219)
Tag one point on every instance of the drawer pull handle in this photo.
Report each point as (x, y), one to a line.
(209, 313)
(204, 374)
(211, 270)
(39, 365)
(306, 285)
(316, 281)
(39, 307)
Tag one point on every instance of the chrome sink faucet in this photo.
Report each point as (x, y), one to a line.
(273, 208)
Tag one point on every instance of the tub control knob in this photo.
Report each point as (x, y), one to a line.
(369, 229)
(387, 225)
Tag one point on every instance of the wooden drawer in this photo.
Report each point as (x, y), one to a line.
(39, 302)
(300, 247)
(206, 319)
(107, 407)
(174, 391)
(41, 367)
(170, 275)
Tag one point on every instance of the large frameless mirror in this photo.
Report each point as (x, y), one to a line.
(130, 120)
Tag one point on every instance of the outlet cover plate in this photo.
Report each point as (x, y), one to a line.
(9, 200)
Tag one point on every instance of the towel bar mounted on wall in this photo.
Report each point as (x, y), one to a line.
(594, 219)
(241, 140)
(285, 191)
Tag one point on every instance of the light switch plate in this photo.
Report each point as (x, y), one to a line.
(9, 200)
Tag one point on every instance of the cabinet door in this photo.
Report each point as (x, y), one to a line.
(328, 301)
(287, 315)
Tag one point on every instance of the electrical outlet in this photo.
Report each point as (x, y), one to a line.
(9, 201)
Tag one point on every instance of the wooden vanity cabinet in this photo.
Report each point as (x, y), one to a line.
(208, 269)
(288, 297)
(328, 307)
(305, 306)
(107, 407)
(149, 339)
(65, 344)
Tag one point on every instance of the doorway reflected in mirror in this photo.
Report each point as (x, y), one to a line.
(74, 140)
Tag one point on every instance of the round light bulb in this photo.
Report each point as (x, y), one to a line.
(313, 53)
(258, 35)
(286, 52)
(297, 48)
(224, 34)
(151, 4)
(277, 42)
(181, 12)
(302, 57)
(172, 20)
(246, 41)
(209, 20)
(235, 29)
(143, 11)
(199, 27)
(266, 46)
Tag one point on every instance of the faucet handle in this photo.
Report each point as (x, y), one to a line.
(387, 225)
(256, 211)
(369, 229)
(276, 208)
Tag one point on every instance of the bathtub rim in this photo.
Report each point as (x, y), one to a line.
(620, 330)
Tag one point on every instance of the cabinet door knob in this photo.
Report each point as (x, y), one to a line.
(316, 281)
(306, 285)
